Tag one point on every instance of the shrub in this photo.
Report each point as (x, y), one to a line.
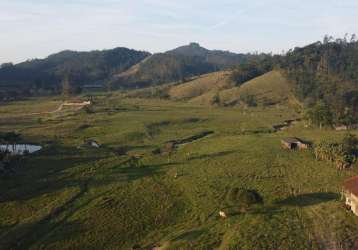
(343, 154)
(88, 110)
(248, 99)
(243, 198)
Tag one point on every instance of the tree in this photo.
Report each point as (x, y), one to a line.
(66, 87)
(6, 65)
(320, 114)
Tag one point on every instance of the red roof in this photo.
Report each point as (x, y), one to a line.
(351, 185)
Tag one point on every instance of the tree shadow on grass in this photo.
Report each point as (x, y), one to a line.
(212, 155)
(191, 235)
(310, 199)
(134, 173)
(53, 169)
(25, 235)
(129, 172)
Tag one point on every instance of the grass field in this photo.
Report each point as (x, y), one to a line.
(65, 197)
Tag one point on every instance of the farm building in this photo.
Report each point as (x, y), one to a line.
(91, 143)
(294, 143)
(350, 191)
(345, 127)
(341, 128)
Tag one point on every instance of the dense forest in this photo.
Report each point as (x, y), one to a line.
(325, 77)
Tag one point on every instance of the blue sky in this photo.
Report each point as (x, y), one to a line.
(36, 28)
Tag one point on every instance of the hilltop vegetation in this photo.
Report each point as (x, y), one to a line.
(41, 76)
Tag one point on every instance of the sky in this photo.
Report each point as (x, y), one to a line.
(36, 28)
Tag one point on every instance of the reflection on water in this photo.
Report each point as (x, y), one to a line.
(20, 149)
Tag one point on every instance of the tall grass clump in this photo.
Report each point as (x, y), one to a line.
(343, 154)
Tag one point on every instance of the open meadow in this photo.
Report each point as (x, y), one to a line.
(125, 194)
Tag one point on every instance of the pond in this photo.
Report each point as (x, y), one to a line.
(20, 149)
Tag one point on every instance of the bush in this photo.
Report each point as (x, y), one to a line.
(243, 198)
(249, 100)
(88, 110)
(343, 154)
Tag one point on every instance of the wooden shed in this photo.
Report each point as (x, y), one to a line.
(294, 143)
(350, 191)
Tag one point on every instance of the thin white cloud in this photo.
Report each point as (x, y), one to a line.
(36, 28)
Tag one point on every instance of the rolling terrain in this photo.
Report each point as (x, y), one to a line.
(272, 88)
(186, 155)
(124, 194)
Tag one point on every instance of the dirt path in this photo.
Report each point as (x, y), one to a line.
(60, 108)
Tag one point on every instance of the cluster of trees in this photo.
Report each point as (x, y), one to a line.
(343, 154)
(325, 76)
(246, 71)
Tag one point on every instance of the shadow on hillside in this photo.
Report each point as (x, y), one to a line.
(191, 235)
(134, 173)
(304, 200)
(212, 155)
(25, 235)
(56, 170)
(47, 172)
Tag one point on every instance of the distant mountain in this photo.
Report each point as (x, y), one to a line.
(115, 68)
(179, 64)
(219, 58)
(94, 67)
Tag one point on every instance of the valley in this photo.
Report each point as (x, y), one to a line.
(122, 195)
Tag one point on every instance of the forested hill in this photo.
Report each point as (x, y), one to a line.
(181, 63)
(221, 59)
(117, 68)
(46, 75)
(325, 77)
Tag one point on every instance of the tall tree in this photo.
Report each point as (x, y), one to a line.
(66, 87)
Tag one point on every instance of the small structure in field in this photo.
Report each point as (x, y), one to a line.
(77, 103)
(222, 214)
(341, 128)
(168, 148)
(293, 143)
(91, 143)
(345, 127)
(350, 191)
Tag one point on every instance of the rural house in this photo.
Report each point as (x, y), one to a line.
(294, 143)
(350, 191)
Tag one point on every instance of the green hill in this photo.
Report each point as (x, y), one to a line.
(201, 85)
(82, 68)
(270, 88)
(180, 64)
(217, 88)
